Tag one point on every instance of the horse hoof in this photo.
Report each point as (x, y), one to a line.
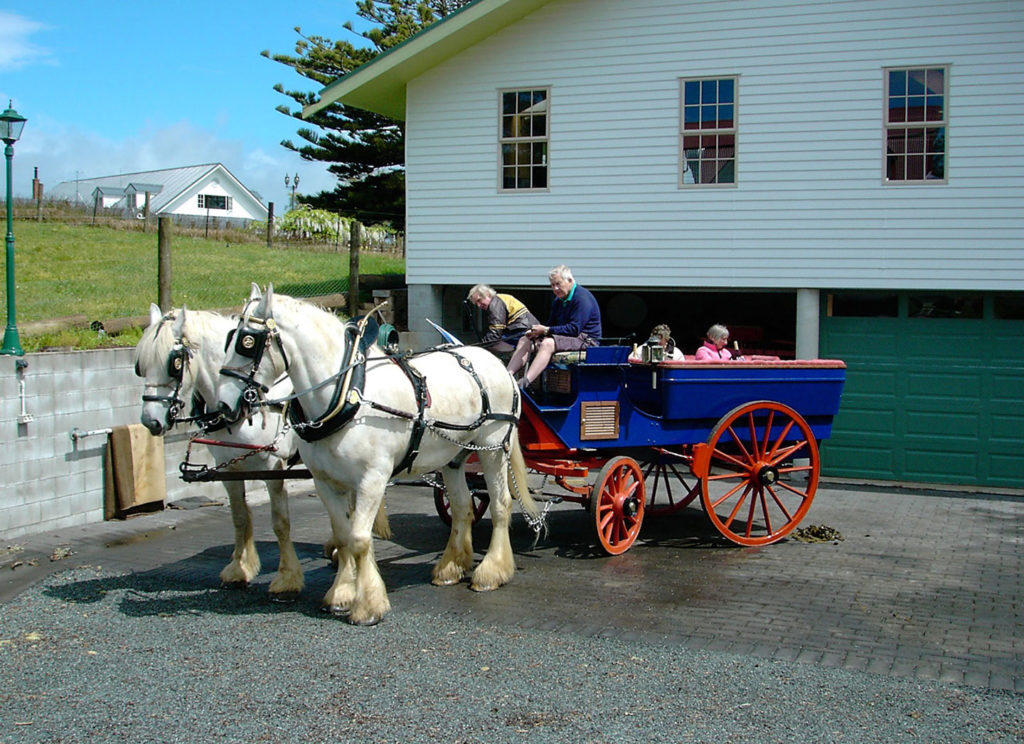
(284, 597)
(337, 610)
(445, 582)
(482, 588)
(364, 623)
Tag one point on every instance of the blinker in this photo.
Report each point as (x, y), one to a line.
(176, 362)
(249, 343)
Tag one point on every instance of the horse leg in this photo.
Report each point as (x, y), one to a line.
(287, 585)
(381, 529)
(341, 596)
(245, 561)
(498, 564)
(457, 560)
(371, 595)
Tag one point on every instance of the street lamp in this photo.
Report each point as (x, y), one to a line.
(11, 124)
(295, 184)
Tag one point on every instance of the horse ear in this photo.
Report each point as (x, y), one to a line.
(154, 314)
(179, 324)
(254, 292)
(263, 308)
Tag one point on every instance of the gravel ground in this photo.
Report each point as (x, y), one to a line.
(94, 656)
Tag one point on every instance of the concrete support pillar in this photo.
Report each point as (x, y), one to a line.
(808, 307)
(425, 301)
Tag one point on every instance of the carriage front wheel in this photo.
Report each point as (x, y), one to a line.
(617, 504)
(758, 472)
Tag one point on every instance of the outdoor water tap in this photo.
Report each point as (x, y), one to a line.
(21, 365)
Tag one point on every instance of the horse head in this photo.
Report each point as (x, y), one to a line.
(249, 370)
(162, 359)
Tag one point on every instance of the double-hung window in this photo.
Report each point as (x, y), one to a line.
(708, 131)
(916, 117)
(523, 138)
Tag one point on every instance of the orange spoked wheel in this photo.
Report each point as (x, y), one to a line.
(759, 473)
(668, 483)
(617, 504)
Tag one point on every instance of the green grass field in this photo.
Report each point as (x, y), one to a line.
(101, 273)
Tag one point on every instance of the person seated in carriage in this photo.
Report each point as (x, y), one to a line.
(508, 319)
(574, 323)
(714, 346)
(661, 336)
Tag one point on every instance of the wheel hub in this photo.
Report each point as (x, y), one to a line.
(768, 475)
(630, 507)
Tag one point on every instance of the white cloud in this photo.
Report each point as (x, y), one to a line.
(16, 50)
(63, 153)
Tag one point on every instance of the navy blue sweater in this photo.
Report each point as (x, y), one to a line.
(577, 316)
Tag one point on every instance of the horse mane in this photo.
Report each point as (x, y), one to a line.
(158, 339)
(322, 317)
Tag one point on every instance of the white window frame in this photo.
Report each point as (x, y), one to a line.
(687, 179)
(529, 141)
(889, 127)
(228, 202)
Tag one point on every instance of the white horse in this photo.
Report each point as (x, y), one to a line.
(363, 417)
(180, 355)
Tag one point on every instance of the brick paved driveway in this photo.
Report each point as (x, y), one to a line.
(924, 584)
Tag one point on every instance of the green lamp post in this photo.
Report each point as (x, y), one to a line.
(11, 124)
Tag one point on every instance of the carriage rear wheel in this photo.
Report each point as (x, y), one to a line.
(481, 500)
(668, 483)
(760, 474)
(617, 504)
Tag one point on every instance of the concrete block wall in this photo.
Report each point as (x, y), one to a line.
(47, 480)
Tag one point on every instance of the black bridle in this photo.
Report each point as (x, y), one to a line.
(253, 344)
(177, 363)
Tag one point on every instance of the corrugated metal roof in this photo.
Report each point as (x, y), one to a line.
(172, 182)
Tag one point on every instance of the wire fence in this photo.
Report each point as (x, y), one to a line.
(77, 269)
(330, 233)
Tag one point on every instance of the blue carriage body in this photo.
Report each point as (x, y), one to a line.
(605, 401)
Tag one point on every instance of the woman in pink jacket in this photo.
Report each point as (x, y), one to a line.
(714, 346)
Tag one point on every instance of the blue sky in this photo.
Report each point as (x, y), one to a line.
(114, 87)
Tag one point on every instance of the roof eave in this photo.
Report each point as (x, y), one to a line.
(379, 85)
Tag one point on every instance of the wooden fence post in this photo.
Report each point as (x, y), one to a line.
(270, 224)
(163, 250)
(355, 239)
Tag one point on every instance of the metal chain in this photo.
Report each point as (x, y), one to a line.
(272, 447)
(538, 524)
(465, 445)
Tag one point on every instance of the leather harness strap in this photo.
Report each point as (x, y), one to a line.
(347, 398)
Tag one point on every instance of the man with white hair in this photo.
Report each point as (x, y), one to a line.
(507, 318)
(574, 323)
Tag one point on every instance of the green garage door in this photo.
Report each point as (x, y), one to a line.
(934, 389)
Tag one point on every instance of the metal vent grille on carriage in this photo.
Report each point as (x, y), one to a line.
(599, 420)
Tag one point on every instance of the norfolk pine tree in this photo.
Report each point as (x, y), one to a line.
(365, 151)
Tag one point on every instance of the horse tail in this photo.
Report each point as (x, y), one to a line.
(517, 480)
(381, 525)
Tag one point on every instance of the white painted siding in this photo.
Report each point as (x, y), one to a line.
(242, 207)
(809, 208)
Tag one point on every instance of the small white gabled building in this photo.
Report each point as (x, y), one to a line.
(841, 179)
(190, 195)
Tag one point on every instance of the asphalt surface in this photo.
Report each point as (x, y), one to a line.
(909, 628)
